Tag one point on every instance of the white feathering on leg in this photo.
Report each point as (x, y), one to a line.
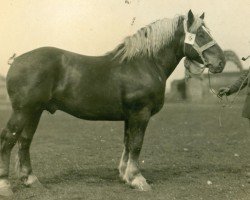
(17, 166)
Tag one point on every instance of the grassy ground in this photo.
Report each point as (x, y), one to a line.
(186, 155)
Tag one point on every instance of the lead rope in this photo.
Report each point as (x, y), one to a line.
(223, 105)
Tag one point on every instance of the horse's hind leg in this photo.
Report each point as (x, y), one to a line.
(9, 136)
(23, 165)
(137, 124)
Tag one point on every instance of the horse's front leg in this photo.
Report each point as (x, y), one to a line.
(137, 124)
(125, 154)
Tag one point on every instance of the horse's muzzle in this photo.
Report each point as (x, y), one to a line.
(216, 69)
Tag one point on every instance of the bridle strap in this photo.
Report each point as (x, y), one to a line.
(198, 49)
(205, 46)
(201, 49)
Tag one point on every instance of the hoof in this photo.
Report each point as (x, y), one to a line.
(140, 183)
(32, 181)
(5, 189)
(122, 177)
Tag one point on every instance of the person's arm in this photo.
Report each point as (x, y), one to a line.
(239, 84)
(236, 86)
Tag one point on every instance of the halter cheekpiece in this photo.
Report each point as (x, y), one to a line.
(190, 39)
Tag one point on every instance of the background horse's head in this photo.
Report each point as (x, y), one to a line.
(200, 46)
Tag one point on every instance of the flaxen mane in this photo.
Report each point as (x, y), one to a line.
(150, 39)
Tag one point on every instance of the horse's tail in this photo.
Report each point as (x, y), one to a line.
(11, 59)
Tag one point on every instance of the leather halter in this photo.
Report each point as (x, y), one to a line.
(190, 39)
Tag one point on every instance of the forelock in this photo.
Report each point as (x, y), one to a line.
(196, 24)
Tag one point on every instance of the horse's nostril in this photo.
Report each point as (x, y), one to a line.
(221, 64)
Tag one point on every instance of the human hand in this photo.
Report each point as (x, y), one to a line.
(223, 91)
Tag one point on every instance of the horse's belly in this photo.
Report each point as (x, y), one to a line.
(105, 112)
(97, 109)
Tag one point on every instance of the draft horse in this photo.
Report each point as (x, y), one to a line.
(126, 84)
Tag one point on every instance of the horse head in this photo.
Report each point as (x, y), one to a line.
(200, 46)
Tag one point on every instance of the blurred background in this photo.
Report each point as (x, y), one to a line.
(95, 27)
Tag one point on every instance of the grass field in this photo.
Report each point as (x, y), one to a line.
(186, 155)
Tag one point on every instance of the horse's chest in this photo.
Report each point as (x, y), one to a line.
(158, 102)
(152, 97)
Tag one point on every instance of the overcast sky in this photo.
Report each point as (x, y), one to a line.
(93, 27)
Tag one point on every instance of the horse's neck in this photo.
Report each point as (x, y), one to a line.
(170, 56)
(168, 59)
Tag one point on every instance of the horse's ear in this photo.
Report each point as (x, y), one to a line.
(190, 18)
(202, 16)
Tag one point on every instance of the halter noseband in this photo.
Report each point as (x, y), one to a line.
(190, 39)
